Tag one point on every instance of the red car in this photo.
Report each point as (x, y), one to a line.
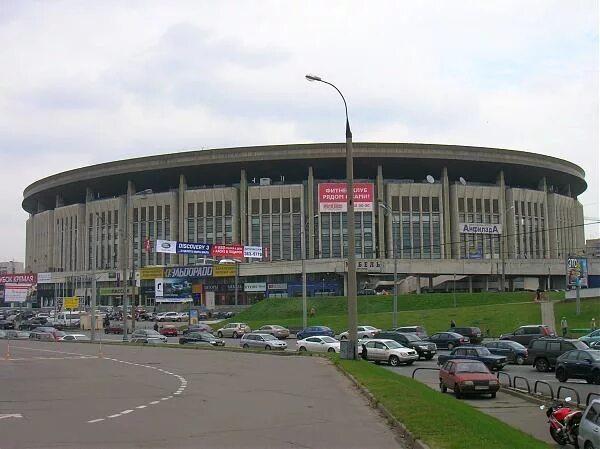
(168, 331)
(467, 377)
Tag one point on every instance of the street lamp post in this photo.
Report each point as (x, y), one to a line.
(388, 212)
(304, 300)
(502, 255)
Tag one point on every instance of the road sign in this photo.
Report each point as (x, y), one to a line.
(71, 302)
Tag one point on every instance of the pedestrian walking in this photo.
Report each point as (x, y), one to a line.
(156, 327)
(364, 352)
(564, 326)
(452, 324)
(593, 325)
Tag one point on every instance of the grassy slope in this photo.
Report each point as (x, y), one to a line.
(494, 311)
(589, 308)
(438, 419)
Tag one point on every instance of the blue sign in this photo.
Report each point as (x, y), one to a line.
(201, 249)
(475, 253)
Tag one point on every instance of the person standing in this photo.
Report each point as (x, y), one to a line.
(593, 325)
(364, 352)
(564, 326)
(156, 326)
(452, 324)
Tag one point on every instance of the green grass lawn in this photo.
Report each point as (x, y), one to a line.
(589, 308)
(439, 420)
(494, 311)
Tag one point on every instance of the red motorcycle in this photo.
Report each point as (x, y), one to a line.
(564, 423)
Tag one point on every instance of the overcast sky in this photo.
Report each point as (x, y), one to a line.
(84, 82)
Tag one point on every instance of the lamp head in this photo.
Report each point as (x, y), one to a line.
(313, 78)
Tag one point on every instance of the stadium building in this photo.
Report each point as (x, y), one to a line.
(447, 216)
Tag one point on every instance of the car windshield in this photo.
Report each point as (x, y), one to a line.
(269, 337)
(329, 340)
(393, 344)
(277, 327)
(515, 345)
(483, 351)
(152, 333)
(595, 355)
(471, 367)
(412, 337)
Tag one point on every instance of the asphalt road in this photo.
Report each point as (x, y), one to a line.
(63, 395)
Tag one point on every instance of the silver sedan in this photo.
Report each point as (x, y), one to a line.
(262, 341)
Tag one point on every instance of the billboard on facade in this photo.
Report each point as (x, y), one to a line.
(253, 252)
(577, 272)
(20, 292)
(172, 290)
(18, 278)
(333, 198)
(147, 273)
(231, 251)
(224, 270)
(166, 246)
(192, 271)
(44, 278)
(480, 228)
(201, 249)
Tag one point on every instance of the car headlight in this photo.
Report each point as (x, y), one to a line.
(468, 382)
(493, 382)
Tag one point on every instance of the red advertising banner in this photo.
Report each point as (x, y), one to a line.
(333, 198)
(19, 278)
(232, 251)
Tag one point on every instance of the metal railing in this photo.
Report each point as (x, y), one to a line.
(515, 378)
(562, 387)
(423, 369)
(505, 374)
(543, 382)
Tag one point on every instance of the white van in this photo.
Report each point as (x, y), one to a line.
(67, 319)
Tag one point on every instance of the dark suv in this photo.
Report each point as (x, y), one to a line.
(525, 334)
(424, 348)
(474, 333)
(543, 352)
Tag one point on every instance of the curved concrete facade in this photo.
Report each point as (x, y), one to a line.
(269, 196)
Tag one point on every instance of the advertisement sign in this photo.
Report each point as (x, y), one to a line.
(71, 303)
(230, 251)
(18, 278)
(202, 249)
(114, 291)
(210, 300)
(577, 272)
(333, 197)
(480, 228)
(193, 316)
(368, 265)
(475, 253)
(148, 273)
(193, 271)
(255, 287)
(224, 270)
(166, 246)
(44, 278)
(172, 290)
(17, 292)
(253, 252)
(278, 286)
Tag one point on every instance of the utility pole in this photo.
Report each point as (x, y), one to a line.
(93, 297)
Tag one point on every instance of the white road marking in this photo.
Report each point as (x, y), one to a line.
(155, 402)
(96, 420)
(11, 415)
(116, 415)
(125, 412)
(141, 406)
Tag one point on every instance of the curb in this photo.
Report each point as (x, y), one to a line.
(402, 433)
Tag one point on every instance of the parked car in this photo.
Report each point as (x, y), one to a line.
(262, 341)
(3, 333)
(233, 330)
(448, 340)
(31, 324)
(74, 337)
(589, 427)
(275, 330)
(525, 334)
(147, 336)
(168, 331)
(314, 331)
(390, 351)
(114, 328)
(45, 333)
(168, 316)
(318, 344)
(201, 338)
(12, 334)
(424, 348)
(467, 377)
(474, 333)
(7, 324)
(419, 331)
(479, 353)
(362, 332)
(543, 352)
(513, 351)
(579, 364)
(200, 327)
(593, 336)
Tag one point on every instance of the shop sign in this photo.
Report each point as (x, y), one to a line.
(277, 286)
(193, 271)
(148, 273)
(224, 270)
(480, 228)
(253, 252)
(255, 286)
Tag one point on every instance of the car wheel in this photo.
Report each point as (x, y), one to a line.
(596, 377)
(493, 395)
(561, 375)
(542, 365)
(394, 360)
(409, 363)
(443, 388)
(331, 350)
(245, 346)
(302, 349)
(220, 334)
(235, 335)
(457, 392)
(450, 346)
(520, 360)
(268, 348)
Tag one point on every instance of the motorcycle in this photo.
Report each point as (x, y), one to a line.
(564, 423)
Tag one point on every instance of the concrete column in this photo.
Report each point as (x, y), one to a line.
(345, 284)
(487, 283)
(446, 236)
(310, 208)
(243, 212)
(380, 214)
(418, 284)
(470, 284)
(89, 194)
(181, 215)
(129, 232)
(430, 283)
(59, 202)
